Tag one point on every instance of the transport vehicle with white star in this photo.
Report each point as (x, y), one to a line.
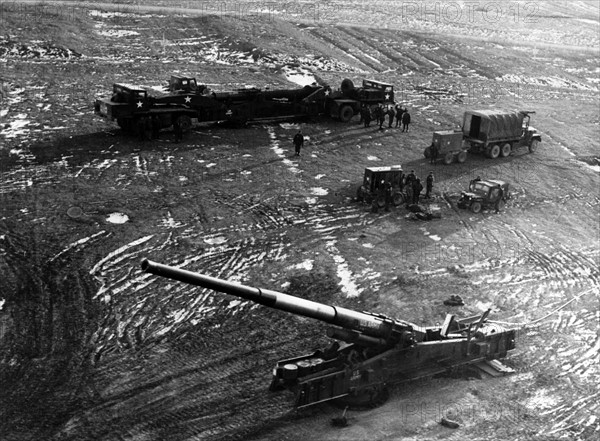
(185, 102)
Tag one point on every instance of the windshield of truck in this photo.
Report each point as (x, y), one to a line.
(480, 187)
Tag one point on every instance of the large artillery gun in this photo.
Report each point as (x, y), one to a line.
(370, 351)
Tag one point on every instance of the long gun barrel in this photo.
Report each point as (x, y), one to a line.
(380, 327)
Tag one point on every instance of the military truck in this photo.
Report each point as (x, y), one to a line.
(498, 133)
(375, 182)
(484, 194)
(491, 132)
(185, 100)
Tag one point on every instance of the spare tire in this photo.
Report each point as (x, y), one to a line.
(347, 85)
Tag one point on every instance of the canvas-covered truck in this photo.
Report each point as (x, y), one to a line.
(494, 133)
(184, 100)
(498, 133)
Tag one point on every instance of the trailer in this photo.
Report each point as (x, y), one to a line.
(185, 101)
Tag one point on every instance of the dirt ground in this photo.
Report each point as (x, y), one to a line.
(92, 348)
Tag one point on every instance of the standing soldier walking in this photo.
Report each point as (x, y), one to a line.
(391, 115)
(399, 112)
(429, 185)
(405, 120)
(298, 142)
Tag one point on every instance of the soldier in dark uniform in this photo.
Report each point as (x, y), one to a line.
(155, 127)
(388, 195)
(500, 197)
(429, 185)
(391, 115)
(405, 120)
(417, 189)
(399, 112)
(433, 149)
(408, 184)
(367, 116)
(298, 142)
(178, 131)
(381, 116)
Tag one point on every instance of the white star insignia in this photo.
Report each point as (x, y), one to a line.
(387, 96)
(327, 93)
(139, 104)
(188, 99)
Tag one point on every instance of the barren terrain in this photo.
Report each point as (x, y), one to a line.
(92, 348)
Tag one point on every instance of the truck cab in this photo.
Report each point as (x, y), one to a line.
(484, 193)
(182, 84)
(375, 181)
(124, 98)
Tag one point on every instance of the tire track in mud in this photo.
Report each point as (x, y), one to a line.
(328, 36)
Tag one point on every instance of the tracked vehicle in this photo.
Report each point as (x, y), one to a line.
(369, 351)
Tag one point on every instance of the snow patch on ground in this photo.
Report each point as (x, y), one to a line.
(347, 283)
(318, 191)
(117, 218)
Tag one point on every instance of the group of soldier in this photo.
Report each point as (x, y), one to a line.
(411, 185)
(378, 114)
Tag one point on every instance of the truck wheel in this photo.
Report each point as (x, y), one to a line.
(427, 152)
(126, 125)
(476, 207)
(346, 113)
(398, 199)
(462, 157)
(501, 205)
(506, 149)
(185, 122)
(448, 158)
(381, 201)
(534, 145)
(495, 151)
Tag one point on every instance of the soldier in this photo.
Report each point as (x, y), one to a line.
(408, 184)
(417, 189)
(298, 142)
(429, 185)
(388, 195)
(361, 112)
(155, 127)
(405, 120)
(391, 115)
(433, 149)
(367, 116)
(497, 203)
(178, 130)
(399, 112)
(473, 181)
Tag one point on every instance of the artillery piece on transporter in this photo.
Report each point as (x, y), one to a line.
(370, 351)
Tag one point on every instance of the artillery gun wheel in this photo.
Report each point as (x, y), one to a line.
(427, 152)
(506, 149)
(461, 157)
(398, 199)
(534, 145)
(476, 207)
(185, 122)
(494, 151)
(346, 113)
(448, 158)
(367, 398)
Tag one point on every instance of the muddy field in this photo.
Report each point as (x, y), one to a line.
(92, 348)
